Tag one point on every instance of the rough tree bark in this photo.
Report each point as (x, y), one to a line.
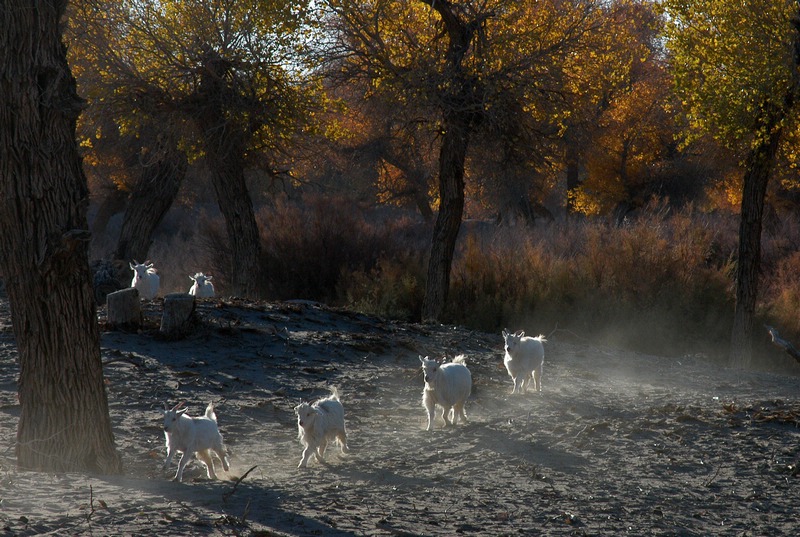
(225, 144)
(64, 423)
(451, 209)
(163, 170)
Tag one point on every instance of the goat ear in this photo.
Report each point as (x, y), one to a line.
(520, 333)
(209, 277)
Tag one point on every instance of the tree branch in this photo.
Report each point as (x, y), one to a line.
(778, 341)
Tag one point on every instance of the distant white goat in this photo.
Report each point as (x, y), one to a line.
(145, 279)
(202, 287)
(447, 385)
(319, 423)
(524, 360)
(193, 436)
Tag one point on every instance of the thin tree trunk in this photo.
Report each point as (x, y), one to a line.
(114, 202)
(64, 423)
(756, 179)
(451, 209)
(757, 173)
(461, 108)
(573, 171)
(154, 194)
(421, 201)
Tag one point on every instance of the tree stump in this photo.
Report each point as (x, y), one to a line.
(178, 312)
(123, 308)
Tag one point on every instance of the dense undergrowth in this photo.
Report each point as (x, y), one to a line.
(661, 282)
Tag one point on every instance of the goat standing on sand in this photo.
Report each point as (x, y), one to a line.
(319, 423)
(202, 287)
(145, 279)
(524, 360)
(193, 436)
(447, 385)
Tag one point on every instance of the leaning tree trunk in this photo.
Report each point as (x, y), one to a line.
(451, 208)
(240, 222)
(64, 423)
(227, 174)
(225, 142)
(152, 197)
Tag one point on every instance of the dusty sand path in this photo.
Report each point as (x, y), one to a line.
(617, 443)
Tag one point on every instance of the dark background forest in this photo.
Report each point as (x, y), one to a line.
(300, 150)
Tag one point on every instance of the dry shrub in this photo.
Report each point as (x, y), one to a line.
(394, 288)
(783, 296)
(655, 284)
(661, 283)
(313, 248)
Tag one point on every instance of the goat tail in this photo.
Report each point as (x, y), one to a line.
(541, 338)
(460, 359)
(335, 393)
(210, 411)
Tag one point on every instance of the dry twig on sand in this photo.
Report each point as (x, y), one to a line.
(230, 492)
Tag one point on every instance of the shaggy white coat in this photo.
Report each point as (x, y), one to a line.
(145, 279)
(524, 360)
(447, 385)
(318, 424)
(198, 436)
(202, 286)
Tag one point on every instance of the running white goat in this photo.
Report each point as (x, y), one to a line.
(447, 385)
(202, 287)
(319, 423)
(145, 279)
(193, 436)
(524, 360)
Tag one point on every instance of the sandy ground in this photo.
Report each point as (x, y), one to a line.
(617, 443)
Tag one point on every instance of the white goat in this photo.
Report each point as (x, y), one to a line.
(193, 436)
(319, 423)
(524, 360)
(202, 287)
(145, 279)
(447, 385)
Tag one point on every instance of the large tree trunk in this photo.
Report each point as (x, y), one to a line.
(451, 208)
(162, 173)
(64, 423)
(225, 143)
